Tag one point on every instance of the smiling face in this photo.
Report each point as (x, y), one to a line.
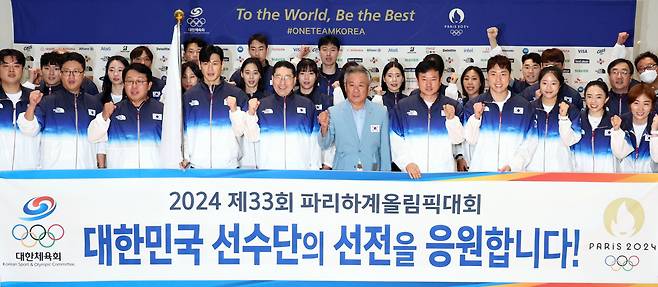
(356, 86)
(393, 79)
(549, 87)
(189, 79)
(283, 81)
(472, 84)
(595, 99)
(499, 79)
(641, 108)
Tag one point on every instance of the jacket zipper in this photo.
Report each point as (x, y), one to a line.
(15, 124)
(545, 135)
(75, 107)
(139, 136)
(211, 89)
(429, 119)
(285, 135)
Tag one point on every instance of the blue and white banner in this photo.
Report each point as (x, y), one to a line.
(579, 23)
(222, 228)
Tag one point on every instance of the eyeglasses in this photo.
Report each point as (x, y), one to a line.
(648, 67)
(72, 72)
(139, 82)
(620, 73)
(283, 77)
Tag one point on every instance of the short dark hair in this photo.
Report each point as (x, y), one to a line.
(329, 39)
(480, 74)
(552, 70)
(74, 57)
(241, 84)
(393, 64)
(552, 55)
(620, 61)
(426, 66)
(196, 40)
(437, 60)
(601, 84)
(500, 61)
(646, 54)
(204, 55)
(641, 89)
(138, 51)
(20, 58)
(51, 58)
(139, 68)
(531, 56)
(260, 38)
(284, 64)
(308, 65)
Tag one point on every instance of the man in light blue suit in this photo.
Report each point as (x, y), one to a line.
(358, 127)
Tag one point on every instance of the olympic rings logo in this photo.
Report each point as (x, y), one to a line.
(456, 32)
(196, 22)
(622, 262)
(29, 237)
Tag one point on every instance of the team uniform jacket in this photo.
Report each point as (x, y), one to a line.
(132, 133)
(212, 132)
(18, 151)
(593, 152)
(500, 138)
(424, 136)
(635, 157)
(552, 153)
(62, 120)
(286, 130)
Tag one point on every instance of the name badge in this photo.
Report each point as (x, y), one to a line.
(375, 128)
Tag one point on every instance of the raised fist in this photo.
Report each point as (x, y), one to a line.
(449, 110)
(492, 32)
(232, 103)
(616, 122)
(478, 109)
(564, 109)
(253, 106)
(35, 98)
(622, 37)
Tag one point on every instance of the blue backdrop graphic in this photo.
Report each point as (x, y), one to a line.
(399, 22)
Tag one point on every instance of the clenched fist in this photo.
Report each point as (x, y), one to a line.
(478, 109)
(253, 106)
(449, 111)
(232, 103)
